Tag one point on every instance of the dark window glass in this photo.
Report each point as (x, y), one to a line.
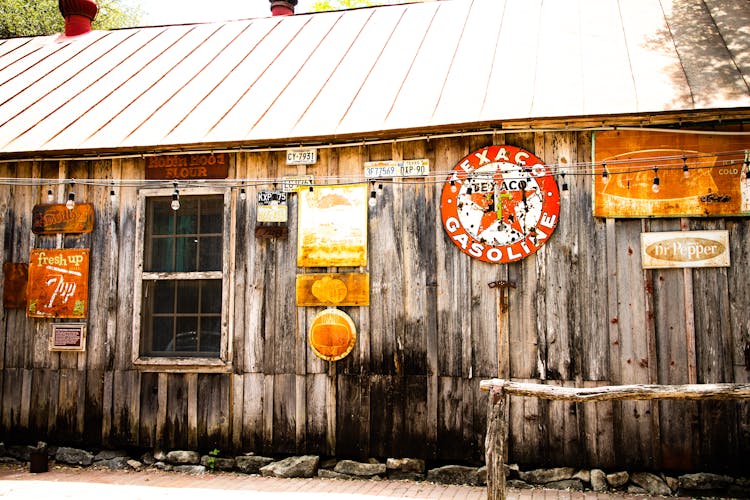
(183, 317)
(184, 240)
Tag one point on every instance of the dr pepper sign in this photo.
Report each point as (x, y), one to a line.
(500, 204)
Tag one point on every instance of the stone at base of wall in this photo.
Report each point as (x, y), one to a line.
(697, 484)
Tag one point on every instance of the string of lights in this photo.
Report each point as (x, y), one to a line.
(686, 163)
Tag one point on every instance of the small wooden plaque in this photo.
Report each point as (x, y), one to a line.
(265, 231)
(350, 289)
(57, 218)
(68, 337)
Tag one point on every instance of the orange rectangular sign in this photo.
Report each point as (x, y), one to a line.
(57, 218)
(333, 289)
(58, 283)
(715, 183)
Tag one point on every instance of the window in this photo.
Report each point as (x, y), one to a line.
(182, 311)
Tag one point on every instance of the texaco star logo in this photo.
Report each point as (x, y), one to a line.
(500, 204)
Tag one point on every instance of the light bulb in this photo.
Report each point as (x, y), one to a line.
(50, 196)
(605, 174)
(373, 201)
(243, 194)
(453, 186)
(655, 185)
(71, 203)
(175, 200)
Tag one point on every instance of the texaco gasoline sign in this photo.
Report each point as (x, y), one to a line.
(500, 204)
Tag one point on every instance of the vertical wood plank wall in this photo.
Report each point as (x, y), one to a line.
(583, 313)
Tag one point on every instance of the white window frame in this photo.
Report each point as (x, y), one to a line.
(223, 362)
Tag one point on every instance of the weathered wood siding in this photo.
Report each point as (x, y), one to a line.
(583, 314)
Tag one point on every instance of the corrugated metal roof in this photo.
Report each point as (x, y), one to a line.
(369, 71)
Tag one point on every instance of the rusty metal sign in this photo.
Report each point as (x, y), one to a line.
(57, 218)
(68, 337)
(500, 204)
(332, 334)
(679, 249)
(58, 283)
(333, 289)
(198, 166)
(332, 225)
(15, 279)
(698, 174)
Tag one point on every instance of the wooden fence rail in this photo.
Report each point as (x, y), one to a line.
(497, 416)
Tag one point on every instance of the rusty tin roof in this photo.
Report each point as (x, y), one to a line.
(370, 72)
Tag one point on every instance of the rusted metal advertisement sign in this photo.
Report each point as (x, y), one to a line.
(15, 279)
(57, 218)
(500, 204)
(679, 249)
(665, 174)
(332, 226)
(58, 283)
(337, 289)
(198, 166)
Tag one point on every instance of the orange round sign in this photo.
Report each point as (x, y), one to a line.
(500, 204)
(332, 334)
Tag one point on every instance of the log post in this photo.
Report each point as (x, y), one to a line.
(494, 444)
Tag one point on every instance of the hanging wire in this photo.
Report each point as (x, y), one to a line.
(606, 169)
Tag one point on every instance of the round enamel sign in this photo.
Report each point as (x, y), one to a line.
(500, 204)
(332, 334)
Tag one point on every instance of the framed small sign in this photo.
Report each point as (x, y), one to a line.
(68, 337)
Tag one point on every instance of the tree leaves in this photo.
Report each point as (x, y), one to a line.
(42, 17)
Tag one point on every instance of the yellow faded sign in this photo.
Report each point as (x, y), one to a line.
(698, 174)
(332, 225)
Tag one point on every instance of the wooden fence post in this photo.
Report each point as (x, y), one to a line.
(494, 444)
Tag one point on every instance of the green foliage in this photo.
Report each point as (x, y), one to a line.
(325, 5)
(42, 17)
(212, 459)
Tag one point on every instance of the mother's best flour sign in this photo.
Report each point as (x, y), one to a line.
(685, 249)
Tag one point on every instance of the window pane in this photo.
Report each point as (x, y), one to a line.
(161, 334)
(162, 221)
(163, 297)
(187, 297)
(212, 210)
(162, 252)
(210, 338)
(211, 297)
(187, 215)
(186, 338)
(186, 254)
(210, 254)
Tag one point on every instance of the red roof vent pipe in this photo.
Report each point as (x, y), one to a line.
(78, 14)
(283, 7)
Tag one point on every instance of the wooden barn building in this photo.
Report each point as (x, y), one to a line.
(317, 233)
